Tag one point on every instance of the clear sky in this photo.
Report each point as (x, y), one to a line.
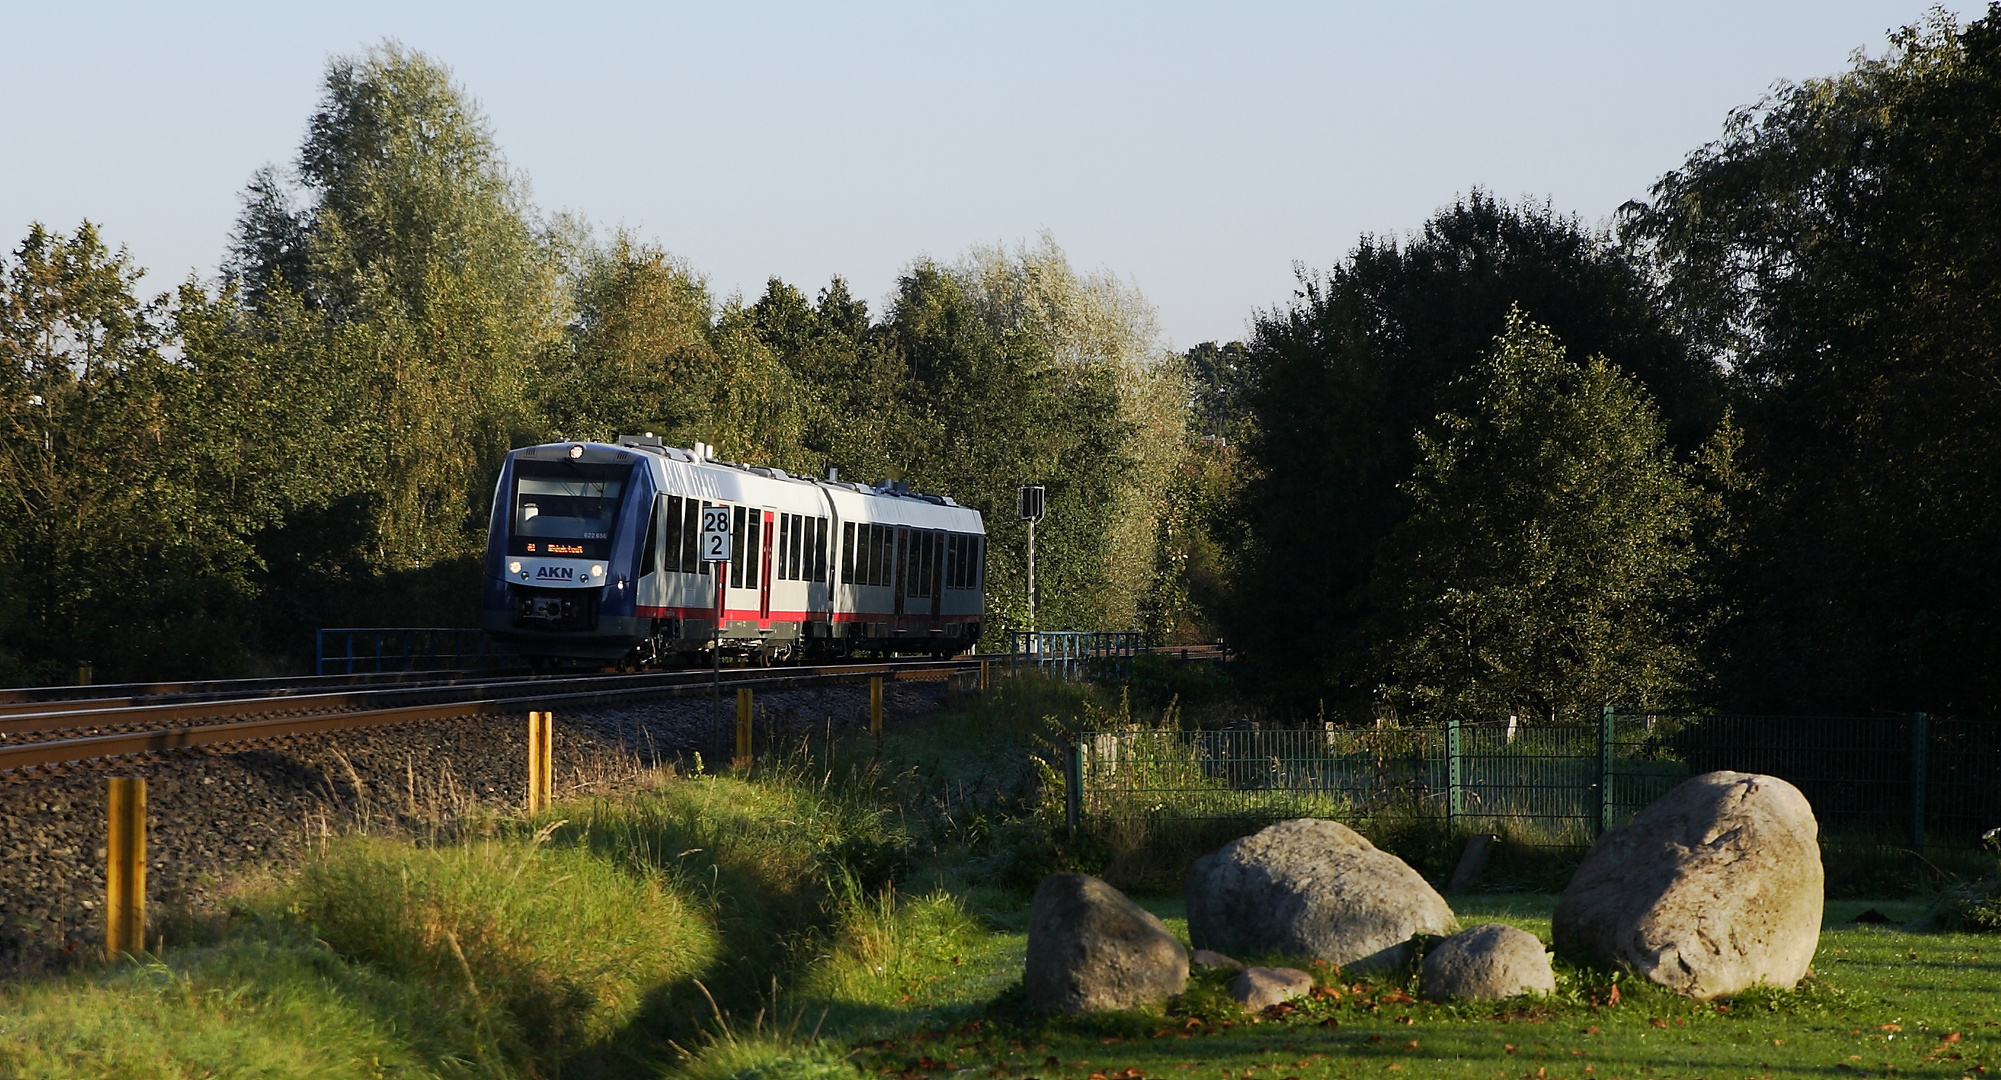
(1197, 151)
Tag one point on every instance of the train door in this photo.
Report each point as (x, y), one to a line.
(764, 577)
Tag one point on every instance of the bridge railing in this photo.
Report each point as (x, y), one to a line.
(354, 650)
(1075, 654)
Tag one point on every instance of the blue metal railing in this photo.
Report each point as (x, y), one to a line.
(1074, 654)
(352, 650)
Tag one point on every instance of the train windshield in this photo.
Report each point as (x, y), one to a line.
(566, 508)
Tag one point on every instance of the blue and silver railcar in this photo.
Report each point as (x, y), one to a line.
(592, 555)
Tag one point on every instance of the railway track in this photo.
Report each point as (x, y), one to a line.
(61, 730)
(44, 727)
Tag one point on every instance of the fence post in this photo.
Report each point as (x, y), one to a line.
(1920, 763)
(1607, 743)
(985, 676)
(1455, 778)
(125, 868)
(1073, 790)
(541, 759)
(744, 732)
(875, 706)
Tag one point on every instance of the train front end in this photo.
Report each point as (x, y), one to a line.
(563, 550)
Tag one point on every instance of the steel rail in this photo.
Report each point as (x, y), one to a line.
(158, 740)
(276, 686)
(47, 720)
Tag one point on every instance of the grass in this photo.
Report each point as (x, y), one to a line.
(866, 916)
(1880, 1000)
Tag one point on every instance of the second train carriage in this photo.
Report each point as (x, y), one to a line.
(592, 554)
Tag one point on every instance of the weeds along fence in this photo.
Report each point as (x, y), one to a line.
(1911, 782)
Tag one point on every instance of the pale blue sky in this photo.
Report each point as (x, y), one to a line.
(1194, 150)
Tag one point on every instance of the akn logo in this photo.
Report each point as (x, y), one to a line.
(555, 573)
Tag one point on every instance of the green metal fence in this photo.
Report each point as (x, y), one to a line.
(1898, 781)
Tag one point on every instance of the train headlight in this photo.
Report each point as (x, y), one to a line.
(576, 452)
(514, 567)
(597, 571)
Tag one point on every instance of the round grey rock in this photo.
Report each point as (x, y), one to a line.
(1090, 949)
(1314, 888)
(1713, 889)
(1488, 962)
(1206, 959)
(1262, 987)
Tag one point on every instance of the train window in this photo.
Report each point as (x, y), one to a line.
(795, 546)
(736, 549)
(847, 553)
(753, 550)
(928, 563)
(669, 520)
(872, 571)
(892, 540)
(788, 535)
(820, 549)
(979, 567)
(963, 565)
(784, 531)
(691, 536)
(782, 569)
(649, 559)
(955, 550)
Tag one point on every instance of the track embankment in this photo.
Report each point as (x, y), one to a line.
(232, 806)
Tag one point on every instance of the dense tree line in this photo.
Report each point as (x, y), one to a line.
(194, 482)
(1739, 450)
(1734, 447)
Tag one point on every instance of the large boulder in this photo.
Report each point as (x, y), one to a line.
(1487, 962)
(1714, 888)
(1311, 888)
(1090, 949)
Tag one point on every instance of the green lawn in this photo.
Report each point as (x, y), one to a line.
(1883, 1001)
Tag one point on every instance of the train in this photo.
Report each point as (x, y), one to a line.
(592, 555)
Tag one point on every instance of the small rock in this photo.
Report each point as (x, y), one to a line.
(1488, 962)
(1315, 888)
(1714, 888)
(1207, 959)
(1091, 950)
(1262, 987)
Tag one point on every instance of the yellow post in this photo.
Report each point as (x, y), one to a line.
(83, 673)
(541, 760)
(875, 706)
(984, 675)
(125, 869)
(743, 730)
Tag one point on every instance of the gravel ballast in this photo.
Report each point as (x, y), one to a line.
(214, 813)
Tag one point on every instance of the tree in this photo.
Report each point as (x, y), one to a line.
(1336, 383)
(121, 539)
(1098, 333)
(413, 257)
(637, 355)
(1548, 565)
(1838, 250)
